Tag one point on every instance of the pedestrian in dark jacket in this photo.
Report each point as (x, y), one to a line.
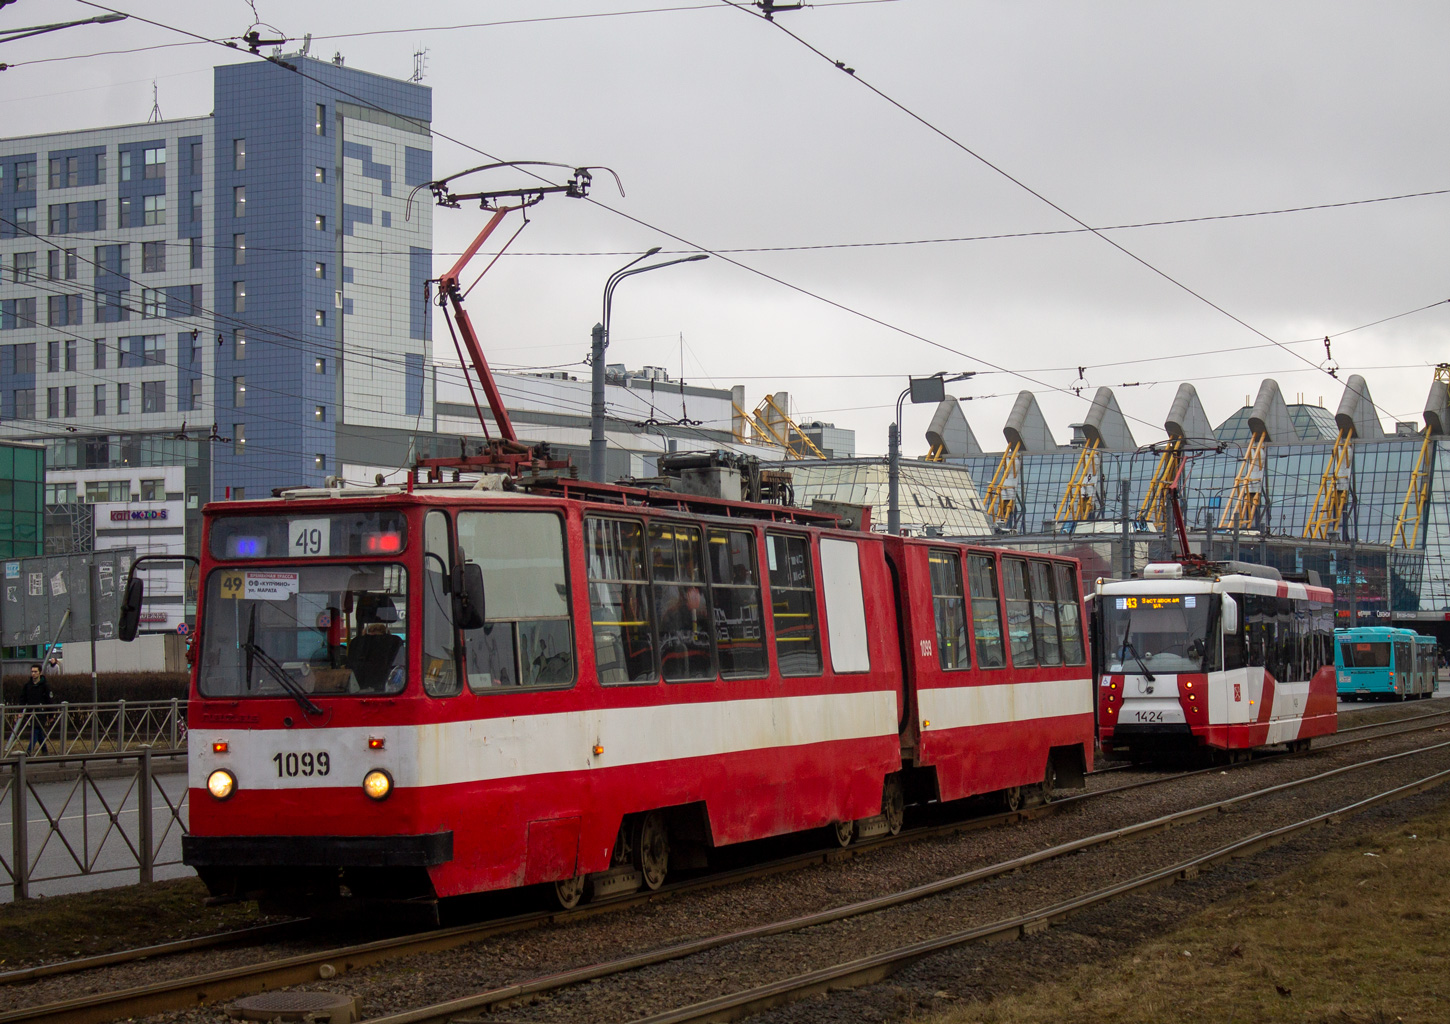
(35, 695)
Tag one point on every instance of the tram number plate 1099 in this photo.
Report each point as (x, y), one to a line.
(292, 764)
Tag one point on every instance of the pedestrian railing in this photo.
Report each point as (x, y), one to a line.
(110, 727)
(94, 814)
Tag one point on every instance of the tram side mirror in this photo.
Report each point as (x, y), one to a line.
(1230, 616)
(468, 596)
(130, 620)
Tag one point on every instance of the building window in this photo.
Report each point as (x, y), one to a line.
(319, 317)
(155, 159)
(239, 201)
(319, 461)
(155, 210)
(196, 392)
(153, 350)
(62, 264)
(239, 438)
(24, 217)
(319, 413)
(52, 357)
(25, 176)
(22, 267)
(239, 296)
(52, 403)
(153, 257)
(64, 310)
(239, 154)
(239, 494)
(100, 168)
(319, 175)
(239, 344)
(319, 222)
(196, 253)
(24, 358)
(239, 392)
(114, 259)
(70, 355)
(126, 218)
(153, 490)
(70, 402)
(196, 158)
(151, 302)
(320, 120)
(319, 366)
(25, 404)
(319, 270)
(99, 399)
(125, 165)
(60, 494)
(195, 206)
(123, 398)
(98, 357)
(153, 396)
(239, 250)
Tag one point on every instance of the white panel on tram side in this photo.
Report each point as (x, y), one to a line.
(845, 606)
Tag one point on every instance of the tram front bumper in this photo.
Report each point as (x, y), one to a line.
(317, 851)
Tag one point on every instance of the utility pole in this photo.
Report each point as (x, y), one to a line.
(1124, 490)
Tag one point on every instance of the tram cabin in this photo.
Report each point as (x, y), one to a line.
(1221, 661)
(1385, 663)
(422, 694)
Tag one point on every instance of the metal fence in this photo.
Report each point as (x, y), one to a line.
(94, 814)
(110, 727)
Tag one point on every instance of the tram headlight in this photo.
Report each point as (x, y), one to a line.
(221, 784)
(377, 784)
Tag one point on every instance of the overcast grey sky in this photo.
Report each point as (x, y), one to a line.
(730, 134)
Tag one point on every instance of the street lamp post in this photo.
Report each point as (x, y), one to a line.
(921, 390)
(599, 341)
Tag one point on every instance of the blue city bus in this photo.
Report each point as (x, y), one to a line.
(1384, 663)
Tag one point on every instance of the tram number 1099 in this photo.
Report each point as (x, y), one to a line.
(291, 765)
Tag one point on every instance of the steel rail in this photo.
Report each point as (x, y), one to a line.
(495, 998)
(215, 986)
(872, 969)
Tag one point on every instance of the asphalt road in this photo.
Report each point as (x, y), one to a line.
(86, 834)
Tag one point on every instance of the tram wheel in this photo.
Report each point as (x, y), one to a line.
(1012, 798)
(893, 805)
(1049, 782)
(568, 892)
(652, 847)
(845, 832)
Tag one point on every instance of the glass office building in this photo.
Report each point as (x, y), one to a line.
(22, 497)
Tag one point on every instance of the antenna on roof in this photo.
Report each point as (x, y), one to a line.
(420, 64)
(155, 116)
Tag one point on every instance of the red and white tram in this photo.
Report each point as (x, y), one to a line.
(653, 676)
(1198, 656)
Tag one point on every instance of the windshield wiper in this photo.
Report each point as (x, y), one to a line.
(1127, 645)
(277, 672)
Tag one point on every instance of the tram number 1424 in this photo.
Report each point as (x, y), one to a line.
(291, 765)
(1147, 716)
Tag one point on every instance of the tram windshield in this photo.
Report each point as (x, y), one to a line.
(1365, 654)
(1156, 632)
(300, 630)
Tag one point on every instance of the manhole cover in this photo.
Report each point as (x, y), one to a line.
(329, 1006)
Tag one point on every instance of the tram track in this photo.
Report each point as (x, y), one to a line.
(215, 986)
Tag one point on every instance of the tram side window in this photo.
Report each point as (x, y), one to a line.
(440, 655)
(986, 612)
(1235, 649)
(682, 610)
(735, 590)
(1044, 614)
(1069, 622)
(526, 638)
(949, 609)
(619, 600)
(793, 604)
(1019, 613)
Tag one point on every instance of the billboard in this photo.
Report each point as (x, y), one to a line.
(38, 592)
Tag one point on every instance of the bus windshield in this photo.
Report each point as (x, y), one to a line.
(1365, 653)
(305, 629)
(1156, 632)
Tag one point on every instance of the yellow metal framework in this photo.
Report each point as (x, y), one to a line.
(1417, 496)
(770, 424)
(1077, 498)
(1155, 504)
(999, 505)
(1248, 493)
(937, 454)
(1333, 498)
